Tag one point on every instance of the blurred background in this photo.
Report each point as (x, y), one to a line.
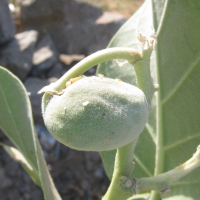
(39, 41)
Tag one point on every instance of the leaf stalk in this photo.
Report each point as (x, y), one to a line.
(161, 182)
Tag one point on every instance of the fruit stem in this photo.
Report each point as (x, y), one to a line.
(142, 67)
(129, 54)
(144, 80)
(122, 185)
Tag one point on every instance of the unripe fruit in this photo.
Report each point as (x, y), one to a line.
(96, 114)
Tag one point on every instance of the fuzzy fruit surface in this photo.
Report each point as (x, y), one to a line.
(96, 114)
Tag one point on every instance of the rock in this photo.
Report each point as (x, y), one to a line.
(109, 17)
(88, 37)
(33, 85)
(75, 27)
(36, 13)
(46, 139)
(2, 195)
(37, 194)
(12, 168)
(6, 182)
(57, 71)
(17, 55)
(85, 38)
(68, 59)
(91, 71)
(7, 28)
(82, 12)
(85, 185)
(99, 173)
(2, 135)
(15, 194)
(44, 57)
(104, 33)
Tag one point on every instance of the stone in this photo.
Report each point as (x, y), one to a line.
(99, 173)
(36, 13)
(109, 17)
(85, 38)
(57, 71)
(33, 85)
(12, 168)
(15, 194)
(104, 33)
(7, 27)
(75, 27)
(88, 37)
(44, 57)
(37, 194)
(2, 135)
(6, 181)
(68, 59)
(17, 55)
(46, 139)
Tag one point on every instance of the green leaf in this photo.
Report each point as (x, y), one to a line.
(16, 122)
(141, 21)
(173, 129)
(16, 116)
(17, 156)
(49, 189)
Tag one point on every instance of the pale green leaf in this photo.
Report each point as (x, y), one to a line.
(16, 122)
(173, 130)
(17, 156)
(49, 189)
(16, 116)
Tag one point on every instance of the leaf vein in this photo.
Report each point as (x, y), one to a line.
(181, 142)
(150, 131)
(180, 82)
(142, 166)
(14, 123)
(184, 183)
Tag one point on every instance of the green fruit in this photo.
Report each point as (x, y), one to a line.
(96, 114)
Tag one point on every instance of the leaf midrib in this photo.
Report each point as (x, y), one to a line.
(13, 121)
(159, 159)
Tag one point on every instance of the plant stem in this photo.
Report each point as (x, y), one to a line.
(144, 80)
(122, 186)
